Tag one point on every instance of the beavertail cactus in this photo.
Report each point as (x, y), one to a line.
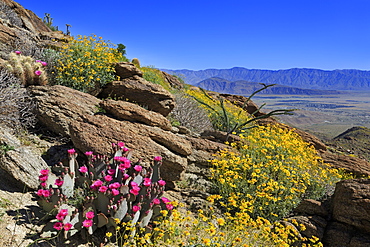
(104, 192)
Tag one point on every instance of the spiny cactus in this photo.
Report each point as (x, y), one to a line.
(29, 71)
(103, 193)
(136, 62)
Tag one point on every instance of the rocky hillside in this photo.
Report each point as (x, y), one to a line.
(300, 78)
(246, 88)
(71, 119)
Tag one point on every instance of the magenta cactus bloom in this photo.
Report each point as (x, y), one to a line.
(138, 168)
(58, 226)
(147, 182)
(72, 151)
(157, 158)
(115, 192)
(121, 144)
(125, 149)
(46, 193)
(108, 178)
(59, 182)
(165, 200)
(162, 182)
(88, 153)
(67, 226)
(136, 208)
(90, 215)
(103, 189)
(111, 171)
(38, 72)
(115, 185)
(87, 223)
(169, 206)
(44, 63)
(156, 201)
(18, 52)
(83, 169)
(44, 172)
(43, 178)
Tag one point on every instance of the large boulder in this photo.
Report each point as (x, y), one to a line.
(97, 133)
(149, 95)
(355, 165)
(57, 106)
(127, 70)
(20, 165)
(123, 110)
(351, 203)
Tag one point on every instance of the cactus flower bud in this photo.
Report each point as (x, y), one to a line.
(38, 72)
(18, 52)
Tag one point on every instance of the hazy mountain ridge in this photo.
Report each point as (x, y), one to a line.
(242, 87)
(347, 79)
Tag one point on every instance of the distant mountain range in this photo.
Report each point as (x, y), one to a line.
(246, 88)
(348, 79)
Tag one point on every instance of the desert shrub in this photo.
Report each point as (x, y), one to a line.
(189, 114)
(223, 114)
(121, 198)
(87, 63)
(156, 76)
(16, 106)
(28, 70)
(273, 172)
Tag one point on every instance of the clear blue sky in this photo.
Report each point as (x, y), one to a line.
(201, 34)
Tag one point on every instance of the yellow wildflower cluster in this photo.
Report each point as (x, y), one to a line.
(273, 172)
(223, 114)
(87, 62)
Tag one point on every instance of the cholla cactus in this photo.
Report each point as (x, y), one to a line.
(103, 193)
(29, 71)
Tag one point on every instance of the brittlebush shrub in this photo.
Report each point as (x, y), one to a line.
(155, 76)
(273, 172)
(87, 63)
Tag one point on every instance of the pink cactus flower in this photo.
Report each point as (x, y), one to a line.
(58, 226)
(43, 178)
(135, 190)
(157, 158)
(44, 172)
(67, 226)
(125, 149)
(126, 176)
(162, 182)
(156, 201)
(71, 151)
(43, 184)
(96, 184)
(115, 192)
(115, 185)
(169, 206)
(88, 153)
(83, 169)
(87, 223)
(120, 144)
(45, 193)
(39, 192)
(44, 63)
(165, 200)
(90, 215)
(18, 52)
(63, 212)
(138, 168)
(108, 178)
(111, 171)
(38, 72)
(136, 208)
(58, 182)
(103, 189)
(147, 182)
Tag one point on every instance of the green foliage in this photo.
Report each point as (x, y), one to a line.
(28, 70)
(5, 148)
(156, 76)
(49, 22)
(87, 63)
(121, 48)
(230, 118)
(103, 194)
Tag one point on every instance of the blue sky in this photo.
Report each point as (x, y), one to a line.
(202, 34)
